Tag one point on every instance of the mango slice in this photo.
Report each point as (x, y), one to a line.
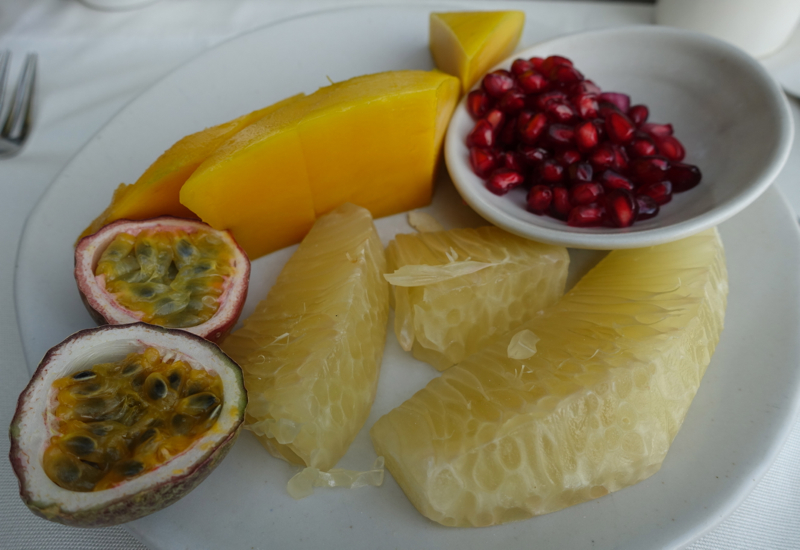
(155, 193)
(467, 44)
(372, 140)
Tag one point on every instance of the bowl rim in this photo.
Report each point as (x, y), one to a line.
(469, 186)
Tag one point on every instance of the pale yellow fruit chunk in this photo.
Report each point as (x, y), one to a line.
(595, 409)
(455, 290)
(468, 44)
(311, 351)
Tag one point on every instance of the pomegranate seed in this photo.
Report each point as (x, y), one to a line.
(477, 103)
(586, 215)
(497, 83)
(551, 171)
(483, 161)
(648, 169)
(504, 180)
(561, 135)
(520, 66)
(605, 109)
(660, 130)
(600, 124)
(603, 157)
(586, 137)
(567, 157)
(621, 208)
(540, 197)
(513, 161)
(560, 111)
(619, 127)
(580, 171)
(642, 146)
(647, 207)
(495, 117)
(533, 155)
(542, 100)
(508, 135)
(587, 105)
(531, 127)
(553, 62)
(482, 135)
(612, 180)
(620, 157)
(659, 191)
(638, 114)
(561, 204)
(533, 82)
(621, 101)
(566, 75)
(670, 147)
(585, 192)
(512, 101)
(584, 87)
(683, 176)
(537, 62)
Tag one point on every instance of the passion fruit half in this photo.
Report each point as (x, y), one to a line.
(165, 271)
(120, 421)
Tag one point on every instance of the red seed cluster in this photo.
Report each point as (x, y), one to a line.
(586, 156)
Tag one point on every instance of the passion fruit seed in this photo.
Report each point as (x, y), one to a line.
(140, 420)
(130, 468)
(148, 434)
(88, 388)
(174, 380)
(197, 404)
(155, 386)
(181, 423)
(131, 369)
(79, 445)
(173, 278)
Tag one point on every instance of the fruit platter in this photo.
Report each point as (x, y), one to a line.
(447, 467)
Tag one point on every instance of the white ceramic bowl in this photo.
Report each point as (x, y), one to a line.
(729, 113)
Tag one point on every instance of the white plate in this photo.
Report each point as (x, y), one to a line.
(727, 110)
(734, 429)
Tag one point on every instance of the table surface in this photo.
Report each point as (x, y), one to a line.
(92, 63)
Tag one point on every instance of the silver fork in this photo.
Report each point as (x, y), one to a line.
(17, 125)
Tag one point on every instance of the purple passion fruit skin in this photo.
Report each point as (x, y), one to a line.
(106, 308)
(129, 500)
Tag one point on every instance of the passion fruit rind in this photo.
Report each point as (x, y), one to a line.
(151, 491)
(105, 309)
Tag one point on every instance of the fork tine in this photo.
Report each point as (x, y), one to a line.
(4, 58)
(19, 117)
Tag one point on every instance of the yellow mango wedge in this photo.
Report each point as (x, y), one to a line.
(467, 44)
(156, 192)
(372, 140)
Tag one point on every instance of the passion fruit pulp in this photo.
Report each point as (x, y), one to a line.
(118, 420)
(93, 446)
(166, 271)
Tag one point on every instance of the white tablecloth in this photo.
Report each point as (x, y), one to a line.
(91, 64)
